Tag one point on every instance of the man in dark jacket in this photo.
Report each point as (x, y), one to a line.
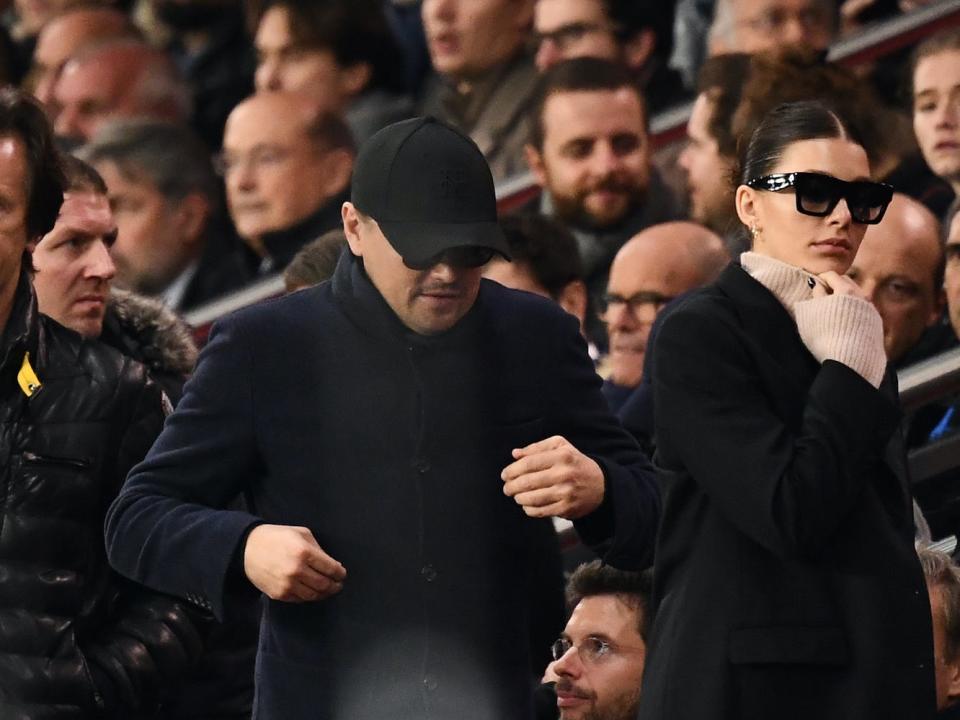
(396, 426)
(76, 641)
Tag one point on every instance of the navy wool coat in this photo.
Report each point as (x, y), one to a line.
(388, 446)
(786, 584)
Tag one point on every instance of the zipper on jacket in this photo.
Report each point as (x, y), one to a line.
(36, 459)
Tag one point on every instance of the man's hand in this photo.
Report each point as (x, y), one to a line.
(553, 478)
(286, 563)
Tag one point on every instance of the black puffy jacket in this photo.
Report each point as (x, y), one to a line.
(76, 641)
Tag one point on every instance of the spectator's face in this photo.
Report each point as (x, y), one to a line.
(895, 267)
(13, 210)
(645, 275)
(157, 237)
(426, 301)
(946, 671)
(284, 65)
(711, 197)
(761, 25)
(34, 14)
(951, 278)
(571, 29)
(606, 686)
(595, 160)
(60, 39)
(468, 37)
(87, 94)
(274, 170)
(936, 113)
(816, 244)
(73, 264)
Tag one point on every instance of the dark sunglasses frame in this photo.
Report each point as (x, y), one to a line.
(861, 195)
(464, 256)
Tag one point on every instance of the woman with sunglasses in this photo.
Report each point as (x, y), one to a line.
(786, 582)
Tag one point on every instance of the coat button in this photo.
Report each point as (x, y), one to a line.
(422, 466)
(430, 682)
(429, 573)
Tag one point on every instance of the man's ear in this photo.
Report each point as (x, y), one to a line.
(351, 228)
(573, 299)
(32, 244)
(638, 50)
(535, 162)
(939, 303)
(192, 214)
(337, 169)
(354, 78)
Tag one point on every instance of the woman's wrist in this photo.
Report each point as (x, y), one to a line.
(844, 328)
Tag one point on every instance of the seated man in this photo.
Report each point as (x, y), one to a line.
(599, 658)
(943, 584)
(64, 36)
(484, 80)
(171, 242)
(653, 268)
(755, 25)
(638, 35)
(544, 260)
(117, 79)
(590, 152)
(900, 267)
(343, 53)
(287, 170)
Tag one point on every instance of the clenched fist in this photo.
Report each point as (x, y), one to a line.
(552, 478)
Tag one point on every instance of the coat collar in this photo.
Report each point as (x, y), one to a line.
(22, 334)
(765, 318)
(365, 307)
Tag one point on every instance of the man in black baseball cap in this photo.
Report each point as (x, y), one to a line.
(405, 431)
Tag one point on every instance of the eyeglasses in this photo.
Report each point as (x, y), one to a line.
(818, 194)
(466, 256)
(592, 650)
(262, 156)
(612, 301)
(566, 36)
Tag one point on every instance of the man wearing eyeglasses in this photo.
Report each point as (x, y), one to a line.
(401, 429)
(753, 26)
(286, 163)
(638, 35)
(598, 660)
(650, 270)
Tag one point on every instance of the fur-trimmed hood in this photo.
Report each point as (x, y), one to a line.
(148, 331)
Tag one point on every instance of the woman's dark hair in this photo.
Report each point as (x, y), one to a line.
(355, 31)
(785, 125)
(23, 118)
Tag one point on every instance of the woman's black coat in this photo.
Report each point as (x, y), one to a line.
(786, 582)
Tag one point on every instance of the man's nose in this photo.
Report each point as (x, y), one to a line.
(547, 54)
(569, 665)
(100, 263)
(604, 160)
(66, 123)
(268, 76)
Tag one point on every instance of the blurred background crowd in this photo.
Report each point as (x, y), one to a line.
(224, 134)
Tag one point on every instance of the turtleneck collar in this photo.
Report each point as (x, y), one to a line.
(788, 283)
(282, 245)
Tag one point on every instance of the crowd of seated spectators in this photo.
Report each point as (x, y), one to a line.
(226, 131)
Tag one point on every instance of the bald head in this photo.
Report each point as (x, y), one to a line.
(651, 269)
(284, 158)
(114, 80)
(899, 266)
(67, 34)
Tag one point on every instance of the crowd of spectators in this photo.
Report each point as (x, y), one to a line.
(212, 145)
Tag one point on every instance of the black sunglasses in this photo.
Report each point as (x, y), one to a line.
(465, 256)
(818, 194)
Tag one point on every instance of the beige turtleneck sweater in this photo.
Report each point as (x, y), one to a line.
(838, 327)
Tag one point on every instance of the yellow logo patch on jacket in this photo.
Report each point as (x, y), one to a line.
(29, 382)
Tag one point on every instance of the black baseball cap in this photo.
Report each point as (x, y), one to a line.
(429, 188)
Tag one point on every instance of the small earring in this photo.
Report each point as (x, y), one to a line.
(754, 231)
